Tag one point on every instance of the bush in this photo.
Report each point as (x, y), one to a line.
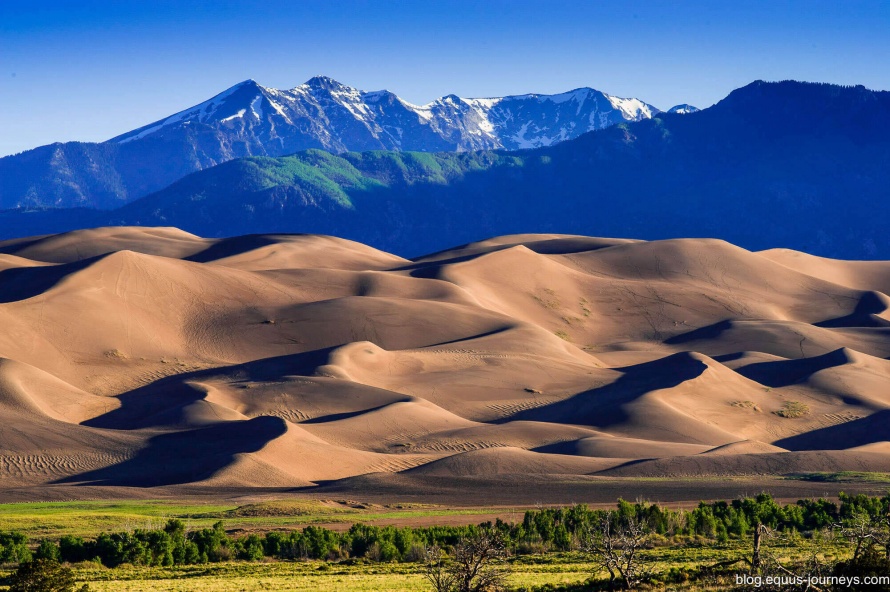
(43, 575)
(72, 549)
(48, 550)
(14, 547)
(250, 548)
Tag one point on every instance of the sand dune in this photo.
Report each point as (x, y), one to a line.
(143, 357)
(512, 461)
(775, 463)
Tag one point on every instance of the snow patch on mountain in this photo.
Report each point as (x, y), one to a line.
(202, 112)
(632, 109)
(324, 113)
(683, 109)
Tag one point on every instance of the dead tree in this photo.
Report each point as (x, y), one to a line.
(437, 569)
(478, 562)
(863, 531)
(756, 559)
(475, 564)
(614, 544)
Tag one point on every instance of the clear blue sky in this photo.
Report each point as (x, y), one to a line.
(88, 70)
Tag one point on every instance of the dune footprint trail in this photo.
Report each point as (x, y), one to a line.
(146, 357)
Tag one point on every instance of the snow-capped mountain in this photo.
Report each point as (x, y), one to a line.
(683, 109)
(252, 120)
(323, 113)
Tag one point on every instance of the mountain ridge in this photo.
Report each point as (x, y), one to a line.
(248, 119)
(774, 165)
(479, 129)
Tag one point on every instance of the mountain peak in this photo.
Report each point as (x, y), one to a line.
(683, 109)
(325, 82)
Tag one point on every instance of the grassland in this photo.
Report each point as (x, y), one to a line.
(554, 571)
(301, 577)
(89, 518)
(680, 561)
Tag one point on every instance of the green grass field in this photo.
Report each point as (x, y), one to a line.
(526, 572)
(298, 576)
(88, 518)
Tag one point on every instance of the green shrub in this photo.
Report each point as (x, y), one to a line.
(43, 575)
(48, 550)
(14, 547)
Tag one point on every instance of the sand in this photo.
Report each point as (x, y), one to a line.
(140, 358)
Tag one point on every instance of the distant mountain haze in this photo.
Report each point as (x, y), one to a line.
(252, 120)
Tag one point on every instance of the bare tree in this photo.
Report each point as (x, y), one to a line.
(475, 564)
(614, 544)
(478, 562)
(756, 560)
(437, 569)
(863, 530)
(810, 570)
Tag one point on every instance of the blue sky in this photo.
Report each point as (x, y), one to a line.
(88, 70)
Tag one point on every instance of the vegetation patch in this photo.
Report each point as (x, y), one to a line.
(548, 300)
(842, 477)
(637, 546)
(746, 405)
(793, 409)
(280, 508)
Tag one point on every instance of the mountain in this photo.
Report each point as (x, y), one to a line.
(323, 113)
(773, 165)
(249, 119)
(788, 164)
(682, 109)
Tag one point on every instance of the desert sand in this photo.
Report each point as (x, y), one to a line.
(138, 358)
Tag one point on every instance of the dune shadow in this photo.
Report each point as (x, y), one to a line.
(18, 245)
(781, 373)
(21, 283)
(874, 428)
(344, 415)
(604, 406)
(155, 403)
(568, 448)
(186, 456)
(430, 270)
(701, 334)
(229, 247)
(864, 315)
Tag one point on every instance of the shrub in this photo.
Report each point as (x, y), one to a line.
(793, 409)
(72, 549)
(48, 550)
(14, 547)
(43, 575)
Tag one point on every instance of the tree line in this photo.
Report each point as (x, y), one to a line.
(541, 530)
(612, 538)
